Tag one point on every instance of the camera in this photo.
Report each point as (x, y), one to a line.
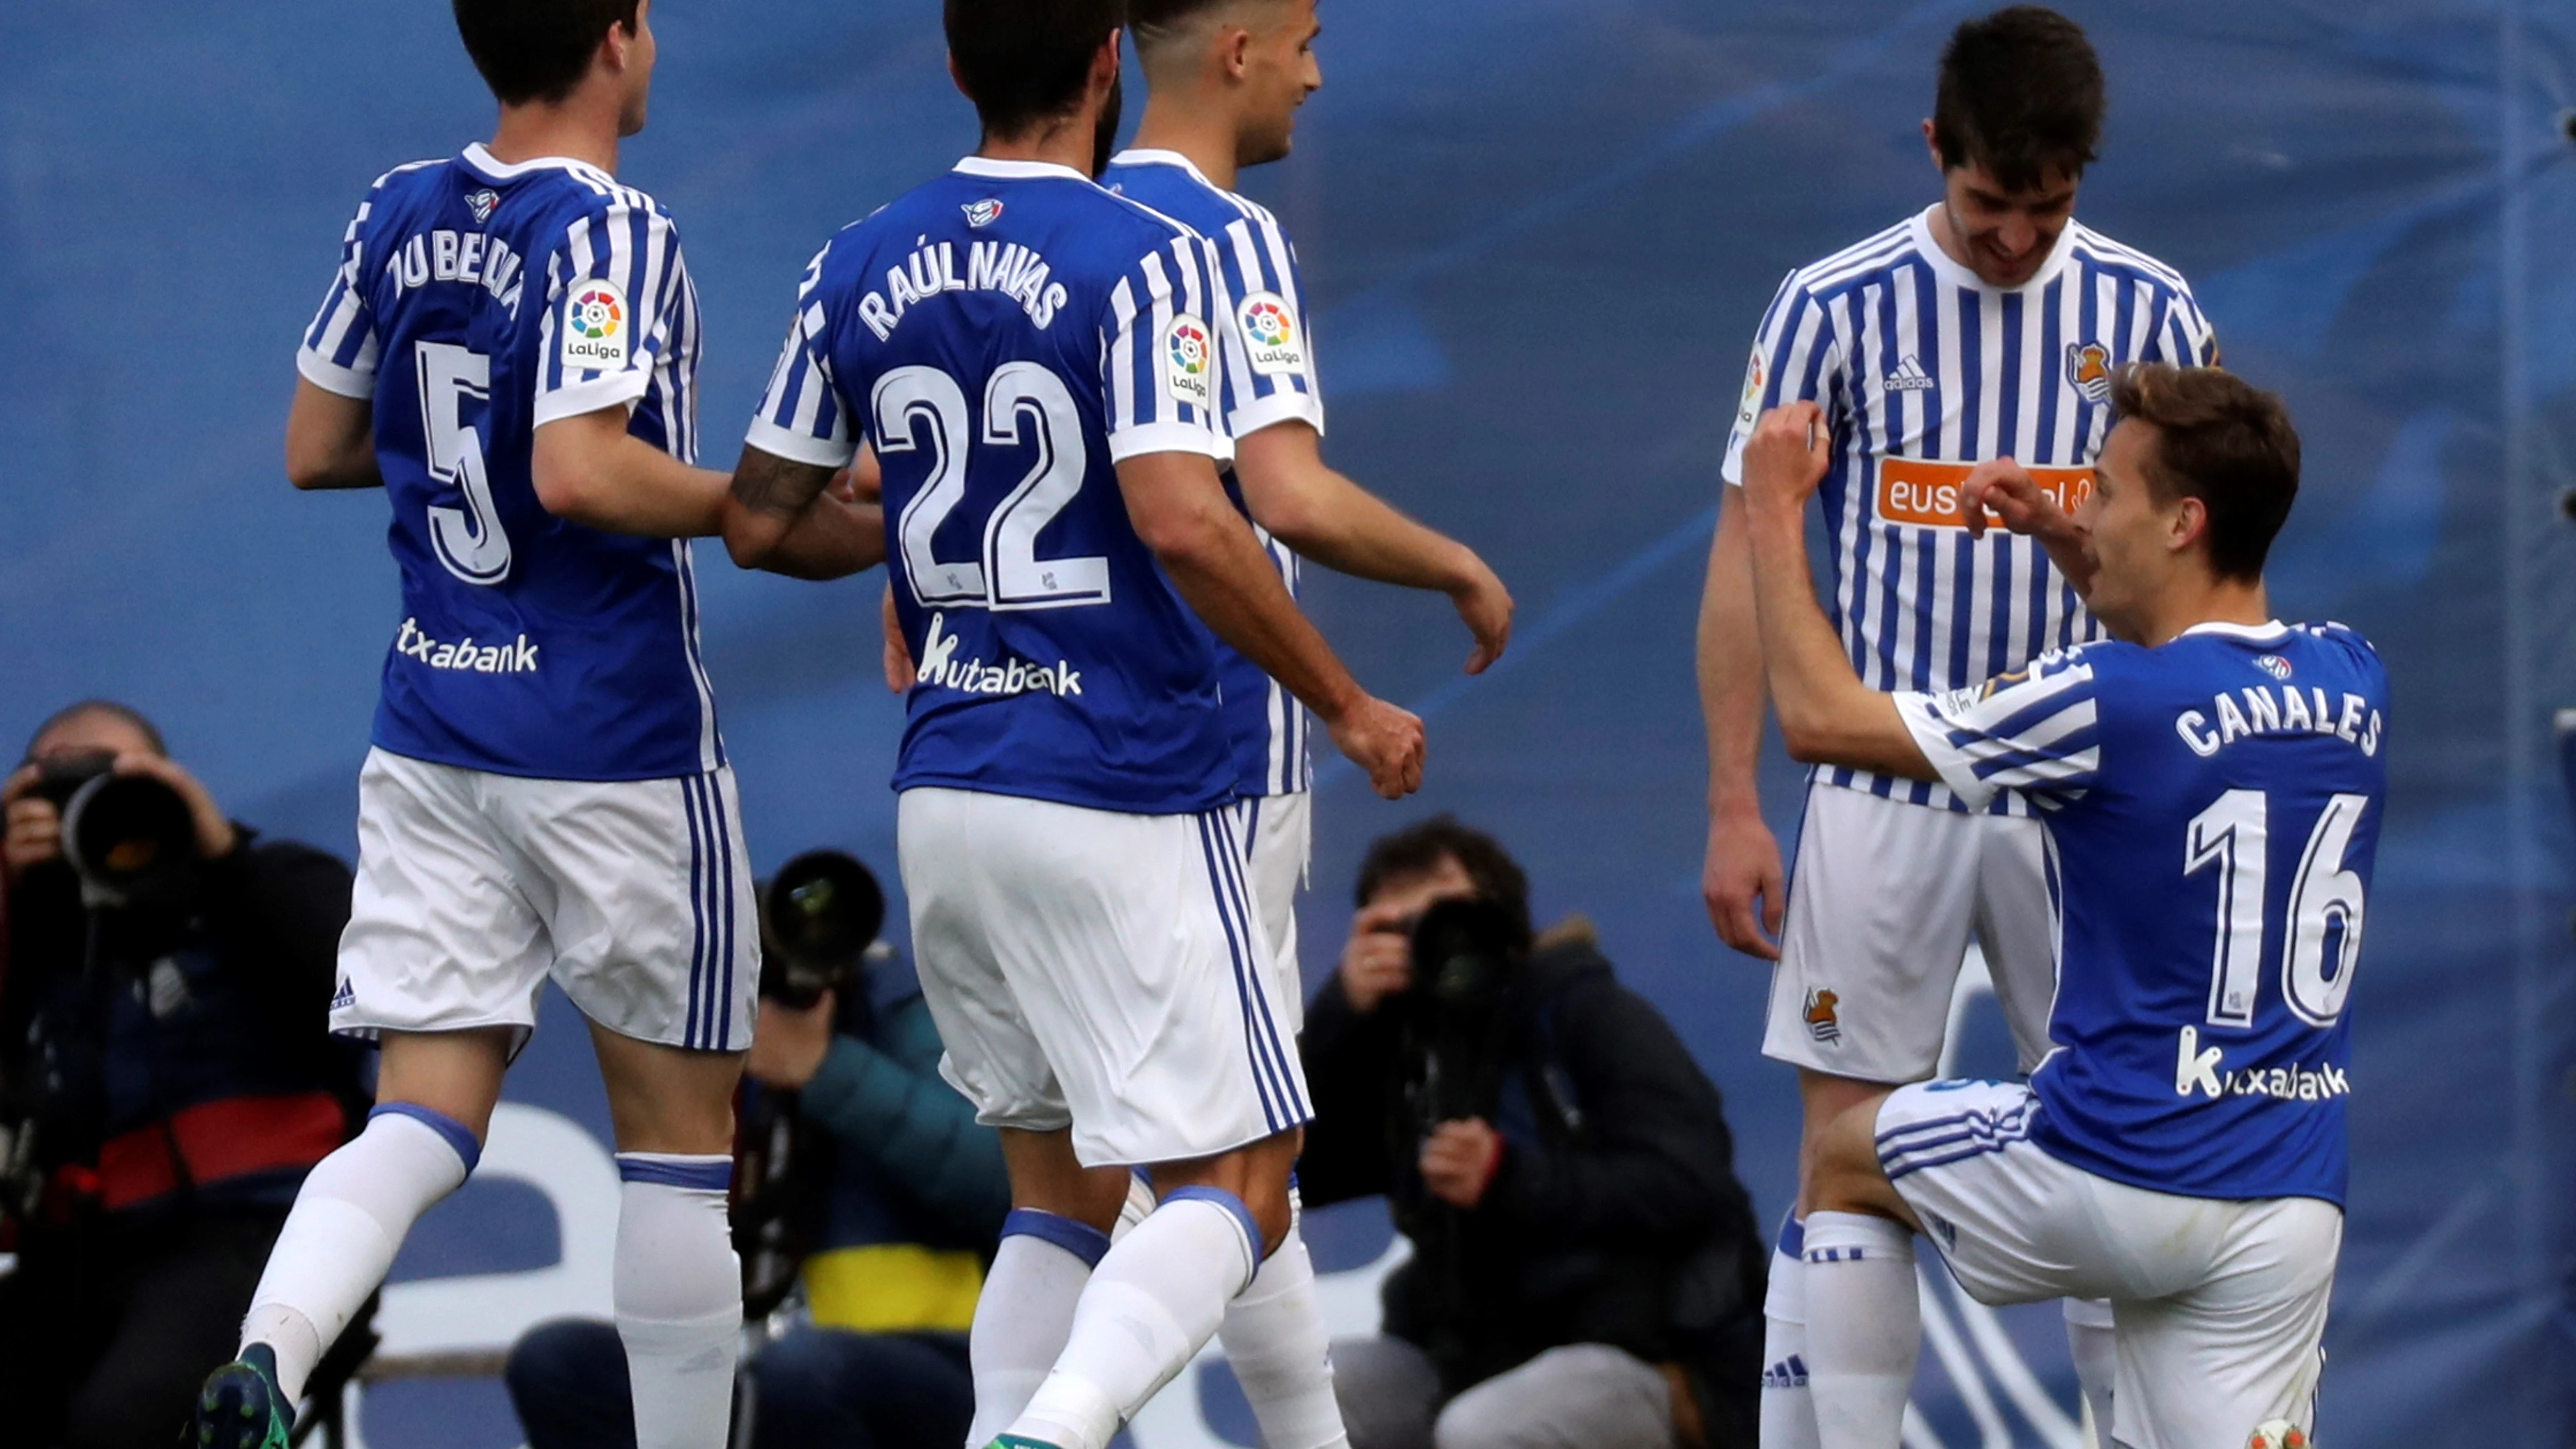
(818, 918)
(1467, 958)
(130, 838)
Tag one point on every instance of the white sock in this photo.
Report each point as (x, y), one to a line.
(678, 1296)
(1864, 1328)
(2097, 1358)
(349, 1219)
(1026, 1312)
(1788, 1410)
(1154, 1300)
(1274, 1338)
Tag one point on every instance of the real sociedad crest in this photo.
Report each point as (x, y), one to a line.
(483, 203)
(2088, 369)
(981, 214)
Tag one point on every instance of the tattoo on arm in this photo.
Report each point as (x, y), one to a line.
(767, 483)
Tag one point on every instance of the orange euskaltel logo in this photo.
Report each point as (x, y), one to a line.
(1926, 494)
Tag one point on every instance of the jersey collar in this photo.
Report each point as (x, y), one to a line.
(2255, 633)
(992, 170)
(1143, 156)
(482, 163)
(1958, 276)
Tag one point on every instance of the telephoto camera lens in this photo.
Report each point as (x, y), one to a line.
(820, 916)
(132, 840)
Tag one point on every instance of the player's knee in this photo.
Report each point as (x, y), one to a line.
(1844, 1174)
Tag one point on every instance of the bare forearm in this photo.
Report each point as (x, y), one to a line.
(330, 440)
(1731, 692)
(590, 470)
(1349, 530)
(2066, 549)
(779, 516)
(1826, 714)
(830, 540)
(1222, 574)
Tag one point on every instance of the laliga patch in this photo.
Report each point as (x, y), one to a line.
(598, 328)
(1189, 362)
(1271, 337)
(1749, 411)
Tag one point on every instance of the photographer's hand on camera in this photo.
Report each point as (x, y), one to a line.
(789, 1045)
(1378, 960)
(1459, 1161)
(35, 826)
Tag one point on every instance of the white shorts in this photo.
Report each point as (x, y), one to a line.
(1280, 829)
(474, 888)
(2219, 1307)
(1100, 971)
(1883, 898)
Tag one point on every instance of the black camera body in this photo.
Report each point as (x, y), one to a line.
(130, 838)
(1469, 957)
(818, 917)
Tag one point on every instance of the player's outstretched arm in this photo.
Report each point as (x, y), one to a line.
(1827, 715)
(590, 470)
(1180, 511)
(2007, 489)
(1326, 517)
(789, 518)
(1741, 879)
(331, 440)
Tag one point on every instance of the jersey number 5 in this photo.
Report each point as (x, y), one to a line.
(468, 540)
(1025, 406)
(2325, 908)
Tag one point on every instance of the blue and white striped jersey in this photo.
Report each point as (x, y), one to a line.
(1004, 337)
(2213, 809)
(476, 302)
(1925, 372)
(1269, 379)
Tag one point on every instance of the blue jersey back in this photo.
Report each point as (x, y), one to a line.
(476, 301)
(1269, 379)
(1003, 338)
(2213, 808)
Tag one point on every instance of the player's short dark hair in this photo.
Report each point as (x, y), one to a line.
(125, 713)
(2021, 94)
(1024, 62)
(537, 50)
(2224, 441)
(1155, 21)
(1419, 849)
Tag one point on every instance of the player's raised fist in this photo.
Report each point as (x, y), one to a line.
(2007, 489)
(1787, 455)
(1385, 741)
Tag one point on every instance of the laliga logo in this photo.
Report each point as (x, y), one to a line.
(981, 214)
(1268, 323)
(1189, 347)
(482, 204)
(597, 315)
(2088, 369)
(2274, 665)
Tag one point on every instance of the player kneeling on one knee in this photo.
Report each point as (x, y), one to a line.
(2182, 1150)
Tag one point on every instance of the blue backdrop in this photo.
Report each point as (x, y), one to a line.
(1540, 233)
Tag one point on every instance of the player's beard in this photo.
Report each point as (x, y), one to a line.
(1104, 139)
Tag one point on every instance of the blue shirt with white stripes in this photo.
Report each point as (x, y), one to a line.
(2213, 808)
(1269, 379)
(1924, 371)
(1004, 337)
(474, 303)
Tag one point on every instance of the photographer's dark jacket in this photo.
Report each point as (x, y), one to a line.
(1615, 1216)
(188, 1063)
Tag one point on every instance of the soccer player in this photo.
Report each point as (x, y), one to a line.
(1034, 365)
(2212, 784)
(1988, 326)
(510, 350)
(1225, 81)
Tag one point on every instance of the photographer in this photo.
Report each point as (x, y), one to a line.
(1586, 1272)
(897, 1191)
(168, 1075)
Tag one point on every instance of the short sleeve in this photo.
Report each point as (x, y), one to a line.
(339, 351)
(1161, 368)
(1270, 347)
(1797, 357)
(2037, 730)
(2187, 339)
(616, 289)
(802, 418)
